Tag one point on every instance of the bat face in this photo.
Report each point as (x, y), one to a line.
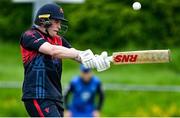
(138, 57)
(125, 58)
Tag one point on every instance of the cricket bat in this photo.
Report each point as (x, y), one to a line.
(140, 57)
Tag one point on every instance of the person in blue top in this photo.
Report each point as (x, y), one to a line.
(84, 89)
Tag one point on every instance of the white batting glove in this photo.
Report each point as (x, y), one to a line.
(87, 58)
(102, 62)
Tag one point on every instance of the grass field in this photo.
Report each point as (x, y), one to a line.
(117, 103)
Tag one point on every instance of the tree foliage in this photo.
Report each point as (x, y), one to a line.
(105, 23)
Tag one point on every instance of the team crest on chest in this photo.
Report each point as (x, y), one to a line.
(61, 10)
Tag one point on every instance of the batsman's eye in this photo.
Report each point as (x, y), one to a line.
(57, 21)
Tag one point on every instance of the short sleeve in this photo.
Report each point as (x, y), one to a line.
(65, 43)
(31, 40)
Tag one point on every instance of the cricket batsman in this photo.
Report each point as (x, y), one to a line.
(42, 53)
(87, 95)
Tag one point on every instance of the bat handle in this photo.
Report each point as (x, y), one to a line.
(110, 58)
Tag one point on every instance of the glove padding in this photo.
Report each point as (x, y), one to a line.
(87, 58)
(102, 62)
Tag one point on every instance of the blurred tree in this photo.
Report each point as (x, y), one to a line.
(113, 24)
(105, 23)
(14, 18)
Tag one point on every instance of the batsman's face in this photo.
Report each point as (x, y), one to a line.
(54, 28)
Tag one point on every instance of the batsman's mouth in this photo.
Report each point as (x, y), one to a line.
(56, 31)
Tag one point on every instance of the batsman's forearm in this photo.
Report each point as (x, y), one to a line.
(78, 59)
(63, 52)
(58, 51)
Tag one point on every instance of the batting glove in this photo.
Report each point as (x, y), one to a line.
(87, 58)
(102, 62)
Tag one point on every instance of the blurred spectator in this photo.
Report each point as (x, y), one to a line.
(84, 89)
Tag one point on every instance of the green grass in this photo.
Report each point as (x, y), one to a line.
(10, 103)
(121, 103)
(10, 62)
(11, 68)
(117, 103)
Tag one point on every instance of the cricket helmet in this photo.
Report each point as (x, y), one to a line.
(49, 11)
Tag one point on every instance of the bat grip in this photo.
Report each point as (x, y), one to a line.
(110, 58)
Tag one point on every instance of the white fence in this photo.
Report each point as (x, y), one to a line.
(111, 86)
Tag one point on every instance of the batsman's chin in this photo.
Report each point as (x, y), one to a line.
(55, 33)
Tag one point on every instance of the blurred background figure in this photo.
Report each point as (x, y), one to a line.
(84, 89)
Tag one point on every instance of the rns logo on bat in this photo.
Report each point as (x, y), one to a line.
(125, 58)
